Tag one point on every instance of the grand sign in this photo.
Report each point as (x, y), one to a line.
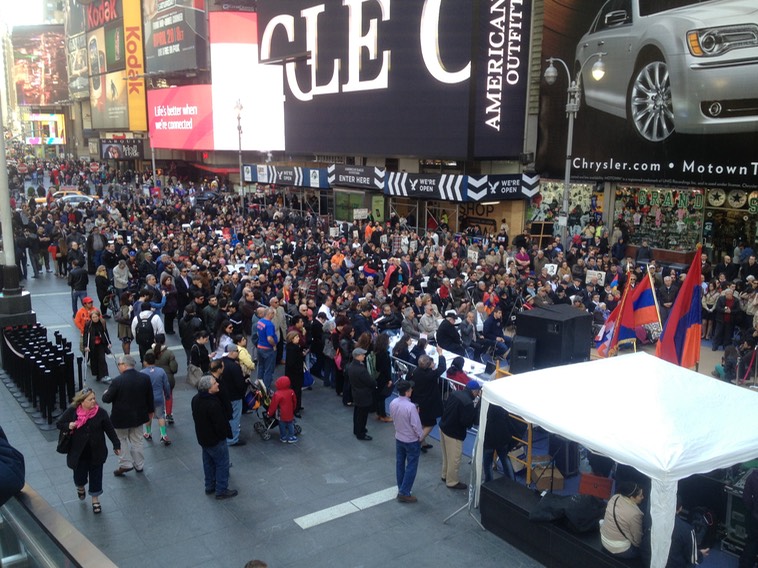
(404, 69)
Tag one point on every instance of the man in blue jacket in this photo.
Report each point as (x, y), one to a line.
(493, 332)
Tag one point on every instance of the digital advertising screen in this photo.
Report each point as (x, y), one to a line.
(175, 34)
(39, 64)
(400, 78)
(259, 88)
(181, 118)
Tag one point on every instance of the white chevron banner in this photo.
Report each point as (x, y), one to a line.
(379, 175)
(479, 183)
(331, 176)
(530, 185)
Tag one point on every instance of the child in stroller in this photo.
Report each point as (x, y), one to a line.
(261, 403)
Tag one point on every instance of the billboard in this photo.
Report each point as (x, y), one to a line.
(135, 66)
(39, 64)
(405, 70)
(675, 106)
(46, 129)
(121, 149)
(259, 88)
(106, 60)
(76, 51)
(181, 118)
(175, 35)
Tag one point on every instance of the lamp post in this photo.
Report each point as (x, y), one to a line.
(573, 103)
(238, 108)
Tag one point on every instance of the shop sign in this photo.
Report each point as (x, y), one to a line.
(356, 176)
(670, 198)
(447, 187)
(502, 187)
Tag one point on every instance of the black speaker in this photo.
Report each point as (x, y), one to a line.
(563, 334)
(523, 351)
(565, 453)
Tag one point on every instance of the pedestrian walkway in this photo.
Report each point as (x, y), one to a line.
(326, 501)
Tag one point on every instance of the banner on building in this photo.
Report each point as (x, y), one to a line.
(122, 149)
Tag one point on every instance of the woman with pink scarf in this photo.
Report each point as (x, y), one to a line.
(88, 424)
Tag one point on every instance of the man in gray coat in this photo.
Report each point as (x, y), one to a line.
(131, 397)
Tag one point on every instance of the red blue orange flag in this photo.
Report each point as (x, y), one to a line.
(680, 340)
(637, 308)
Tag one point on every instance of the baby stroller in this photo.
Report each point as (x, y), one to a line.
(260, 404)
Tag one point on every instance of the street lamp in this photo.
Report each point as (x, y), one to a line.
(572, 108)
(238, 108)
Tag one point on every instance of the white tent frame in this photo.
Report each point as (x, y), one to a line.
(666, 421)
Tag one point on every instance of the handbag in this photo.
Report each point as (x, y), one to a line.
(338, 360)
(64, 442)
(194, 374)
(307, 378)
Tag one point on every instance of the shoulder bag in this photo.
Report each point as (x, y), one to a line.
(64, 442)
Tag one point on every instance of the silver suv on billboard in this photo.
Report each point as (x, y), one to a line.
(686, 66)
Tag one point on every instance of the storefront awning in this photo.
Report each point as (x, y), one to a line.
(222, 170)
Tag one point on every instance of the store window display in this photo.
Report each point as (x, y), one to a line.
(669, 219)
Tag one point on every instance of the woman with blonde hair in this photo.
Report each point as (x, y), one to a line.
(88, 425)
(102, 286)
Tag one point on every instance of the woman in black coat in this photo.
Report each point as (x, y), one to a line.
(89, 425)
(293, 367)
(384, 379)
(427, 393)
(97, 344)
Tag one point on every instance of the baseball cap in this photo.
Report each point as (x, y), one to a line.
(87, 300)
(231, 347)
(359, 351)
(474, 385)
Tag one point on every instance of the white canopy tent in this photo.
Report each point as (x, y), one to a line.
(667, 422)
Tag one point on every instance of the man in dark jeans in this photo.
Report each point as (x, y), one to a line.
(212, 429)
(78, 281)
(362, 386)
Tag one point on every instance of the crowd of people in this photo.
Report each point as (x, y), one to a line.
(246, 286)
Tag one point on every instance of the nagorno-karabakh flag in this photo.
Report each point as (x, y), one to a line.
(680, 340)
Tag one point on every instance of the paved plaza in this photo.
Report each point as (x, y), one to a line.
(327, 501)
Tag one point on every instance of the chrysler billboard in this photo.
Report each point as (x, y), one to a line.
(678, 102)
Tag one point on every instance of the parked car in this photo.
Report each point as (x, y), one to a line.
(76, 200)
(687, 66)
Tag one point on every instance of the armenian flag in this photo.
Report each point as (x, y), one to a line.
(637, 308)
(680, 340)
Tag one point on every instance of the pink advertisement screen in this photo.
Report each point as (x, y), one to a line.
(181, 118)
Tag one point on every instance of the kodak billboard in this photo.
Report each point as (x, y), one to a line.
(135, 65)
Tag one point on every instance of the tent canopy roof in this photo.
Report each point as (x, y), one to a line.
(666, 421)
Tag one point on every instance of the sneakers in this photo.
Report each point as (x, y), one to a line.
(148, 437)
(165, 441)
(292, 440)
(107, 380)
(228, 494)
(170, 418)
(284, 440)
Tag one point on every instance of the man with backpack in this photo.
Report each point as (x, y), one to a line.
(145, 327)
